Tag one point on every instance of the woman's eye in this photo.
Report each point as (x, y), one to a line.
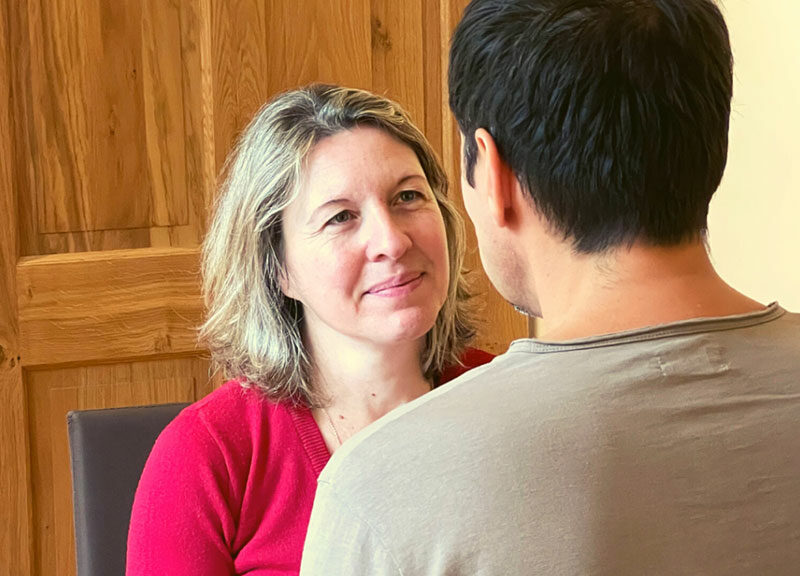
(409, 195)
(341, 217)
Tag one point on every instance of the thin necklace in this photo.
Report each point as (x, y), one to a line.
(333, 427)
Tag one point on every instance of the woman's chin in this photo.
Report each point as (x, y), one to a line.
(403, 327)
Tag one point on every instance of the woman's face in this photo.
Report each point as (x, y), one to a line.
(364, 242)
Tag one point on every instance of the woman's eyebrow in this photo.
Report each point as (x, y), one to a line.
(325, 205)
(343, 200)
(404, 179)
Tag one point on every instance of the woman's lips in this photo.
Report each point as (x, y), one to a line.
(396, 287)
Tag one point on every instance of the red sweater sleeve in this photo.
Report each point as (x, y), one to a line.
(471, 358)
(181, 522)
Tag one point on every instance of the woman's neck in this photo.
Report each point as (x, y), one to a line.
(362, 382)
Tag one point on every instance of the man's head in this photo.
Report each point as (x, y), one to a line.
(611, 114)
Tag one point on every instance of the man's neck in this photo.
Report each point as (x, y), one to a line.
(631, 288)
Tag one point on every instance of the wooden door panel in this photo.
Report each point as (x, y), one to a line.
(102, 306)
(111, 131)
(434, 82)
(318, 41)
(263, 47)
(162, 84)
(93, 240)
(90, 125)
(15, 518)
(240, 67)
(53, 393)
(398, 59)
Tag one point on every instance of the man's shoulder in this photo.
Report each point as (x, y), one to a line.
(536, 443)
(433, 422)
(533, 380)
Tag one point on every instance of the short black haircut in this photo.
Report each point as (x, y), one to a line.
(613, 114)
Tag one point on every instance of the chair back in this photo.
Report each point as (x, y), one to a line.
(108, 451)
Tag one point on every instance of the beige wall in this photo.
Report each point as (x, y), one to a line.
(754, 222)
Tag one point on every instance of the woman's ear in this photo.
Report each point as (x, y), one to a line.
(498, 179)
(286, 287)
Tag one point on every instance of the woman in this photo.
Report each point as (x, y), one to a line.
(332, 276)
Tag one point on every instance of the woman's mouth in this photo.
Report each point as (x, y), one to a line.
(398, 286)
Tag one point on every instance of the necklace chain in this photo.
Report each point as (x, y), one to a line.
(333, 427)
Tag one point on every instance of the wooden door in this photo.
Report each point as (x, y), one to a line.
(115, 117)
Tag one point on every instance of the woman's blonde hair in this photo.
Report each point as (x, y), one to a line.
(252, 329)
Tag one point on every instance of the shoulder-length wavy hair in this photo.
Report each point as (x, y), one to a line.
(254, 331)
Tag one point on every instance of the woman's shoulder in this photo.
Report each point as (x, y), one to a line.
(232, 401)
(230, 404)
(196, 480)
(471, 358)
(231, 419)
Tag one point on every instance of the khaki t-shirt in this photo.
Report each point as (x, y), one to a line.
(668, 450)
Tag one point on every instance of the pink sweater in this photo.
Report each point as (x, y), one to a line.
(229, 486)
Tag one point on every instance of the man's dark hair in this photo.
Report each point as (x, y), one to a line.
(613, 114)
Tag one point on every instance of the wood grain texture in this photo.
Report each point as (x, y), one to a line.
(102, 306)
(22, 126)
(88, 116)
(16, 526)
(261, 48)
(435, 82)
(239, 33)
(163, 110)
(61, 390)
(319, 41)
(398, 69)
(89, 241)
(500, 322)
(112, 106)
(9, 242)
(209, 143)
(198, 98)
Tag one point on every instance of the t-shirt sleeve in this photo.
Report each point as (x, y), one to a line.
(181, 522)
(339, 542)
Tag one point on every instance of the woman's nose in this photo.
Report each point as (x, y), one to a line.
(386, 237)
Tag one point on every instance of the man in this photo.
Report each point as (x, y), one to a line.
(655, 428)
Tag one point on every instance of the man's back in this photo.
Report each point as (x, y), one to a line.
(667, 450)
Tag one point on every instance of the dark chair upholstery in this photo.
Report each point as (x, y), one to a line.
(108, 450)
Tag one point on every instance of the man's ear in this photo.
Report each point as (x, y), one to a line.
(498, 177)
